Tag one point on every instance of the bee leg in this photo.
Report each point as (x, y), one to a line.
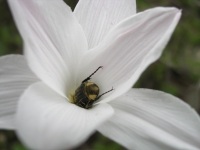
(104, 93)
(89, 104)
(88, 78)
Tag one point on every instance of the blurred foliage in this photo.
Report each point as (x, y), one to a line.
(176, 72)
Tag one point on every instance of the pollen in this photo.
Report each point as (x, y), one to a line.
(92, 97)
(71, 98)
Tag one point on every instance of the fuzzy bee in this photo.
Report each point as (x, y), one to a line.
(88, 92)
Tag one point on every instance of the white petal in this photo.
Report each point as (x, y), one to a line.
(153, 120)
(45, 120)
(129, 48)
(54, 41)
(15, 77)
(97, 17)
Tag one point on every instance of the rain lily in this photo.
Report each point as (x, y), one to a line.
(62, 48)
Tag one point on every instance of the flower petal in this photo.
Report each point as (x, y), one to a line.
(129, 48)
(147, 119)
(97, 17)
(15, 77)
(45, 120)
(54, 40)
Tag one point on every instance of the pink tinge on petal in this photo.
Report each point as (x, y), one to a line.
(128, 49)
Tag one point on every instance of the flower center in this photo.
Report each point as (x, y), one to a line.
(87, 93)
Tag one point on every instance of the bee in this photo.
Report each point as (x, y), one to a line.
(88, 92)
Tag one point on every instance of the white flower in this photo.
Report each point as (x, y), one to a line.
(62, 48)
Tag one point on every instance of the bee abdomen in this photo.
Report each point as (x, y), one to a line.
(86, 94)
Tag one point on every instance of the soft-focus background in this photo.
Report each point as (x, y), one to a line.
(176, 72)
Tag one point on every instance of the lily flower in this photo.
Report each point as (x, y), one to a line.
(63, 48)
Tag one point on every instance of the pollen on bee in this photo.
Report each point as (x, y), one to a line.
(71, 98)
(92, 97)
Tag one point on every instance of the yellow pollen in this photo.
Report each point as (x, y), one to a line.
(92, 97)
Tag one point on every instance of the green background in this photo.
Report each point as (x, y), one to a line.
(176, 72)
